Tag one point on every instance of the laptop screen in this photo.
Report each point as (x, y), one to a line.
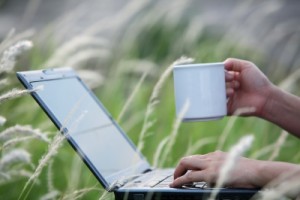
(89, 128)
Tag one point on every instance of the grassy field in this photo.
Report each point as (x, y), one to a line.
(133, 62)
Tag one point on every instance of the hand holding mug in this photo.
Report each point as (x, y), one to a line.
(246, 86)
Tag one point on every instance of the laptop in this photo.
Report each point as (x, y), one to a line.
(103, 146)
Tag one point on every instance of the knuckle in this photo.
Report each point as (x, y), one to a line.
(183, 161)
(211, 177)
(219, 154)
(189, 176)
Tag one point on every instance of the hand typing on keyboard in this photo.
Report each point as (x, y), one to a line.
(206, 168)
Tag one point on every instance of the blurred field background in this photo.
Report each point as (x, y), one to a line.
(121, 48)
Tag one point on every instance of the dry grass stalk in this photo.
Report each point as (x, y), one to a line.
(151, 105)
(132, 8)
(15, 156)
(175, 11)
(53, 194)
(12, 175)
(168, 16)
(12, 39)
(105, 195)
(11, 165)
(7, 37)
(195, 30)
(50, 177)
(138, 67)
(4, 82)
(280, 32)
(131, 97)
(199, 144)
(231, 123)
(133, 120)
(9, 56)
(278, 145)
(289, 49)
(289, 83)
(78, 194)
(19, 130)
(74, 177)
(91, 78)
(22, 172)
(14, 93)
(2, 120)
(53, 147)
(15, 141)
(78, 59)
(52, 150)
(158, 151)
(78, 43)
(286, 186)
(274, 148)
(236, 13)
(183, 60)
(154, 99)
(30, 11)
(111, 22)
(166, 74)
(173, 134)
(252, 24)
(263, 151)
(233, 155)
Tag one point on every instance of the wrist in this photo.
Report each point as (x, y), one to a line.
(270, 102)
(267, 171)
(256, 171)
(270, 171)
(282, 109)
(261, 171)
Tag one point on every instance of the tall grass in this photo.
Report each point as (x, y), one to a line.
(128, 72)
(233, 155)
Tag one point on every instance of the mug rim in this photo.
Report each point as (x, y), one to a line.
(216, 64)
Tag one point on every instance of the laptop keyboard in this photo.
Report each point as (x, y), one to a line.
(161, 179)
(152, 179)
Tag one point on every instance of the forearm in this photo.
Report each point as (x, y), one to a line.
(268, 171)
(283, 109)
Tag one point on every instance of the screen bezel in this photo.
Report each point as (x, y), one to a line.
(28, 77)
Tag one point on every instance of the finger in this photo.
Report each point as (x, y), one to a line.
(189, 163)
(232, 76)
(234, 64)
(229, 76)
(230, 110)
(191, 176)
(229, 92)
(233, 84)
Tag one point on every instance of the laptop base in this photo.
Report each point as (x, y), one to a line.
(182, 194)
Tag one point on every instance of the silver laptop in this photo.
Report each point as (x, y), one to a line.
(103, 146)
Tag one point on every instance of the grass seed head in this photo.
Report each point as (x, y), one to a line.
(9, 56)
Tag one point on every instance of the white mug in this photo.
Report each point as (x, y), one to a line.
(200, 91)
